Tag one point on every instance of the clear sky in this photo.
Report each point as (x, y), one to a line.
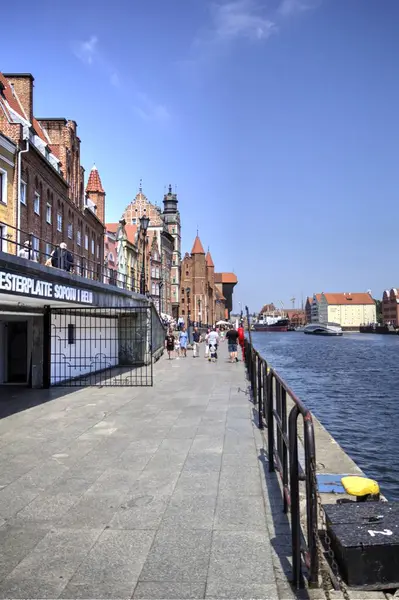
(277, 120)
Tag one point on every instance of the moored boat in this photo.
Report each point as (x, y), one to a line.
(270, 324)
(323, 329)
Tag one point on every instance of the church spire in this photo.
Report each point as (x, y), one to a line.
(170, 202)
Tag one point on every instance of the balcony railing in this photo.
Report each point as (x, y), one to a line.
(30, 247)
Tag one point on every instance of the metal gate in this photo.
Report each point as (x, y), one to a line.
(100, 347)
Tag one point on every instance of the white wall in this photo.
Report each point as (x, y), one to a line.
(96, 346)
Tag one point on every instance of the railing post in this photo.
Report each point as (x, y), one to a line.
(254, 386)
(260, 391)
(311, 499)
(264, 384)
(295, 505)
(270, 421)
(284, 457)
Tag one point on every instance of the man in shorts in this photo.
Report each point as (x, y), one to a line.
(232, 341)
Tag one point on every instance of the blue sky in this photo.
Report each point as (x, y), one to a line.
(277, 120)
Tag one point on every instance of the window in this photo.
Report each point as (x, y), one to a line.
(134, 221)
(111, 257)
(36, 203)
(86, 241)
(59, 222)
(77, 266)
(92, 246)
(153, 289)
(157, 273)
(48, 250)
(153, 272)
(48, 213)
(3, 187)
(98, 250)
(79, 237)
(182, 312)
(3, 238)
(23, 192)
(71, 333)
(70, 231)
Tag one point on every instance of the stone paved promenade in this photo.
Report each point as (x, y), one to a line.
(140, 492)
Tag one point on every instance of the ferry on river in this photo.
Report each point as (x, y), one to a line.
(323, 329)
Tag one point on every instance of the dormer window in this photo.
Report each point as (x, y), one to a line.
(47, 153)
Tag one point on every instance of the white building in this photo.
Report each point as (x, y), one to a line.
(347, 309)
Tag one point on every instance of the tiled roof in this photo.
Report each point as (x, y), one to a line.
(131, 231)
(111, 227)
(357, 298)
(209, 260)
(15, 105)
(197, 246)
(10, 98)
(94, 183)
(225, 278)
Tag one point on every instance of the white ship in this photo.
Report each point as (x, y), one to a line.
(323, 329)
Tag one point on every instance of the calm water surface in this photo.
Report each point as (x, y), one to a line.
(351, 383)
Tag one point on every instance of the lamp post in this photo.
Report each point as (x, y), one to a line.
(188, 306)
(160, 295)
(199, 313)
(144, 222)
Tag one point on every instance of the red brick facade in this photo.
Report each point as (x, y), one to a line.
(51, 199)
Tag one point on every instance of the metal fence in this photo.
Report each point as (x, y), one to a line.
(43, 252)
(96, 346)
(279, 409)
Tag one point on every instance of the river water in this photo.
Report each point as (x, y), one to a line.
(351, 384)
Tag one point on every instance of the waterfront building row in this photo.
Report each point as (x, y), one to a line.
(349, 310)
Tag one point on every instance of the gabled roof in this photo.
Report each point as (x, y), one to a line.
(347, 298)
(209, 261)
(111, 227)
(11, 99)
(94, 183)
(197, 246)
(225, 278)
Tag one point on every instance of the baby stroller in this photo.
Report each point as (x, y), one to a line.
(213, 354)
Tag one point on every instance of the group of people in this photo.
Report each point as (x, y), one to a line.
(61, 257)
(179, 343)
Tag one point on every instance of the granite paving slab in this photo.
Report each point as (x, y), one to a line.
(139, 493)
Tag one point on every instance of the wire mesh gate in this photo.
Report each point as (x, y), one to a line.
(101, 347)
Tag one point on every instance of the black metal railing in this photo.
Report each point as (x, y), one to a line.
(278, 409)
(27, 245)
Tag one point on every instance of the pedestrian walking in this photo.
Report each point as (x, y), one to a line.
(232, 341)
(170, 343)
(241, 339)
(213, 342)
(196, 342)
(183, 339)
(207, 343)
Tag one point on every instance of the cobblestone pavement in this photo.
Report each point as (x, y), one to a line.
(140, 492)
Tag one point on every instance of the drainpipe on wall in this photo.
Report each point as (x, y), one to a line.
(26, 138)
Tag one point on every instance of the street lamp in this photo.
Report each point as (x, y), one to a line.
(188, 305)
(144, 222)
(160, 295)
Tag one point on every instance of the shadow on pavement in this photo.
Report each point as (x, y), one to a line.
(17, 399)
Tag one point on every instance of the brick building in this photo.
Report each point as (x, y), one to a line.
(160, 246)
(49, 203)
(226, 282)
(390, 307)
(205, 295)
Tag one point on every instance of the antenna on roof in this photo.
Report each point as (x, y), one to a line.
(197, 230)
(141, 186)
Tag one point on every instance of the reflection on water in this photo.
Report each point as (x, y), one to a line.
(351, 383)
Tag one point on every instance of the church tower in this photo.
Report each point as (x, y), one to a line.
(171, 217)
